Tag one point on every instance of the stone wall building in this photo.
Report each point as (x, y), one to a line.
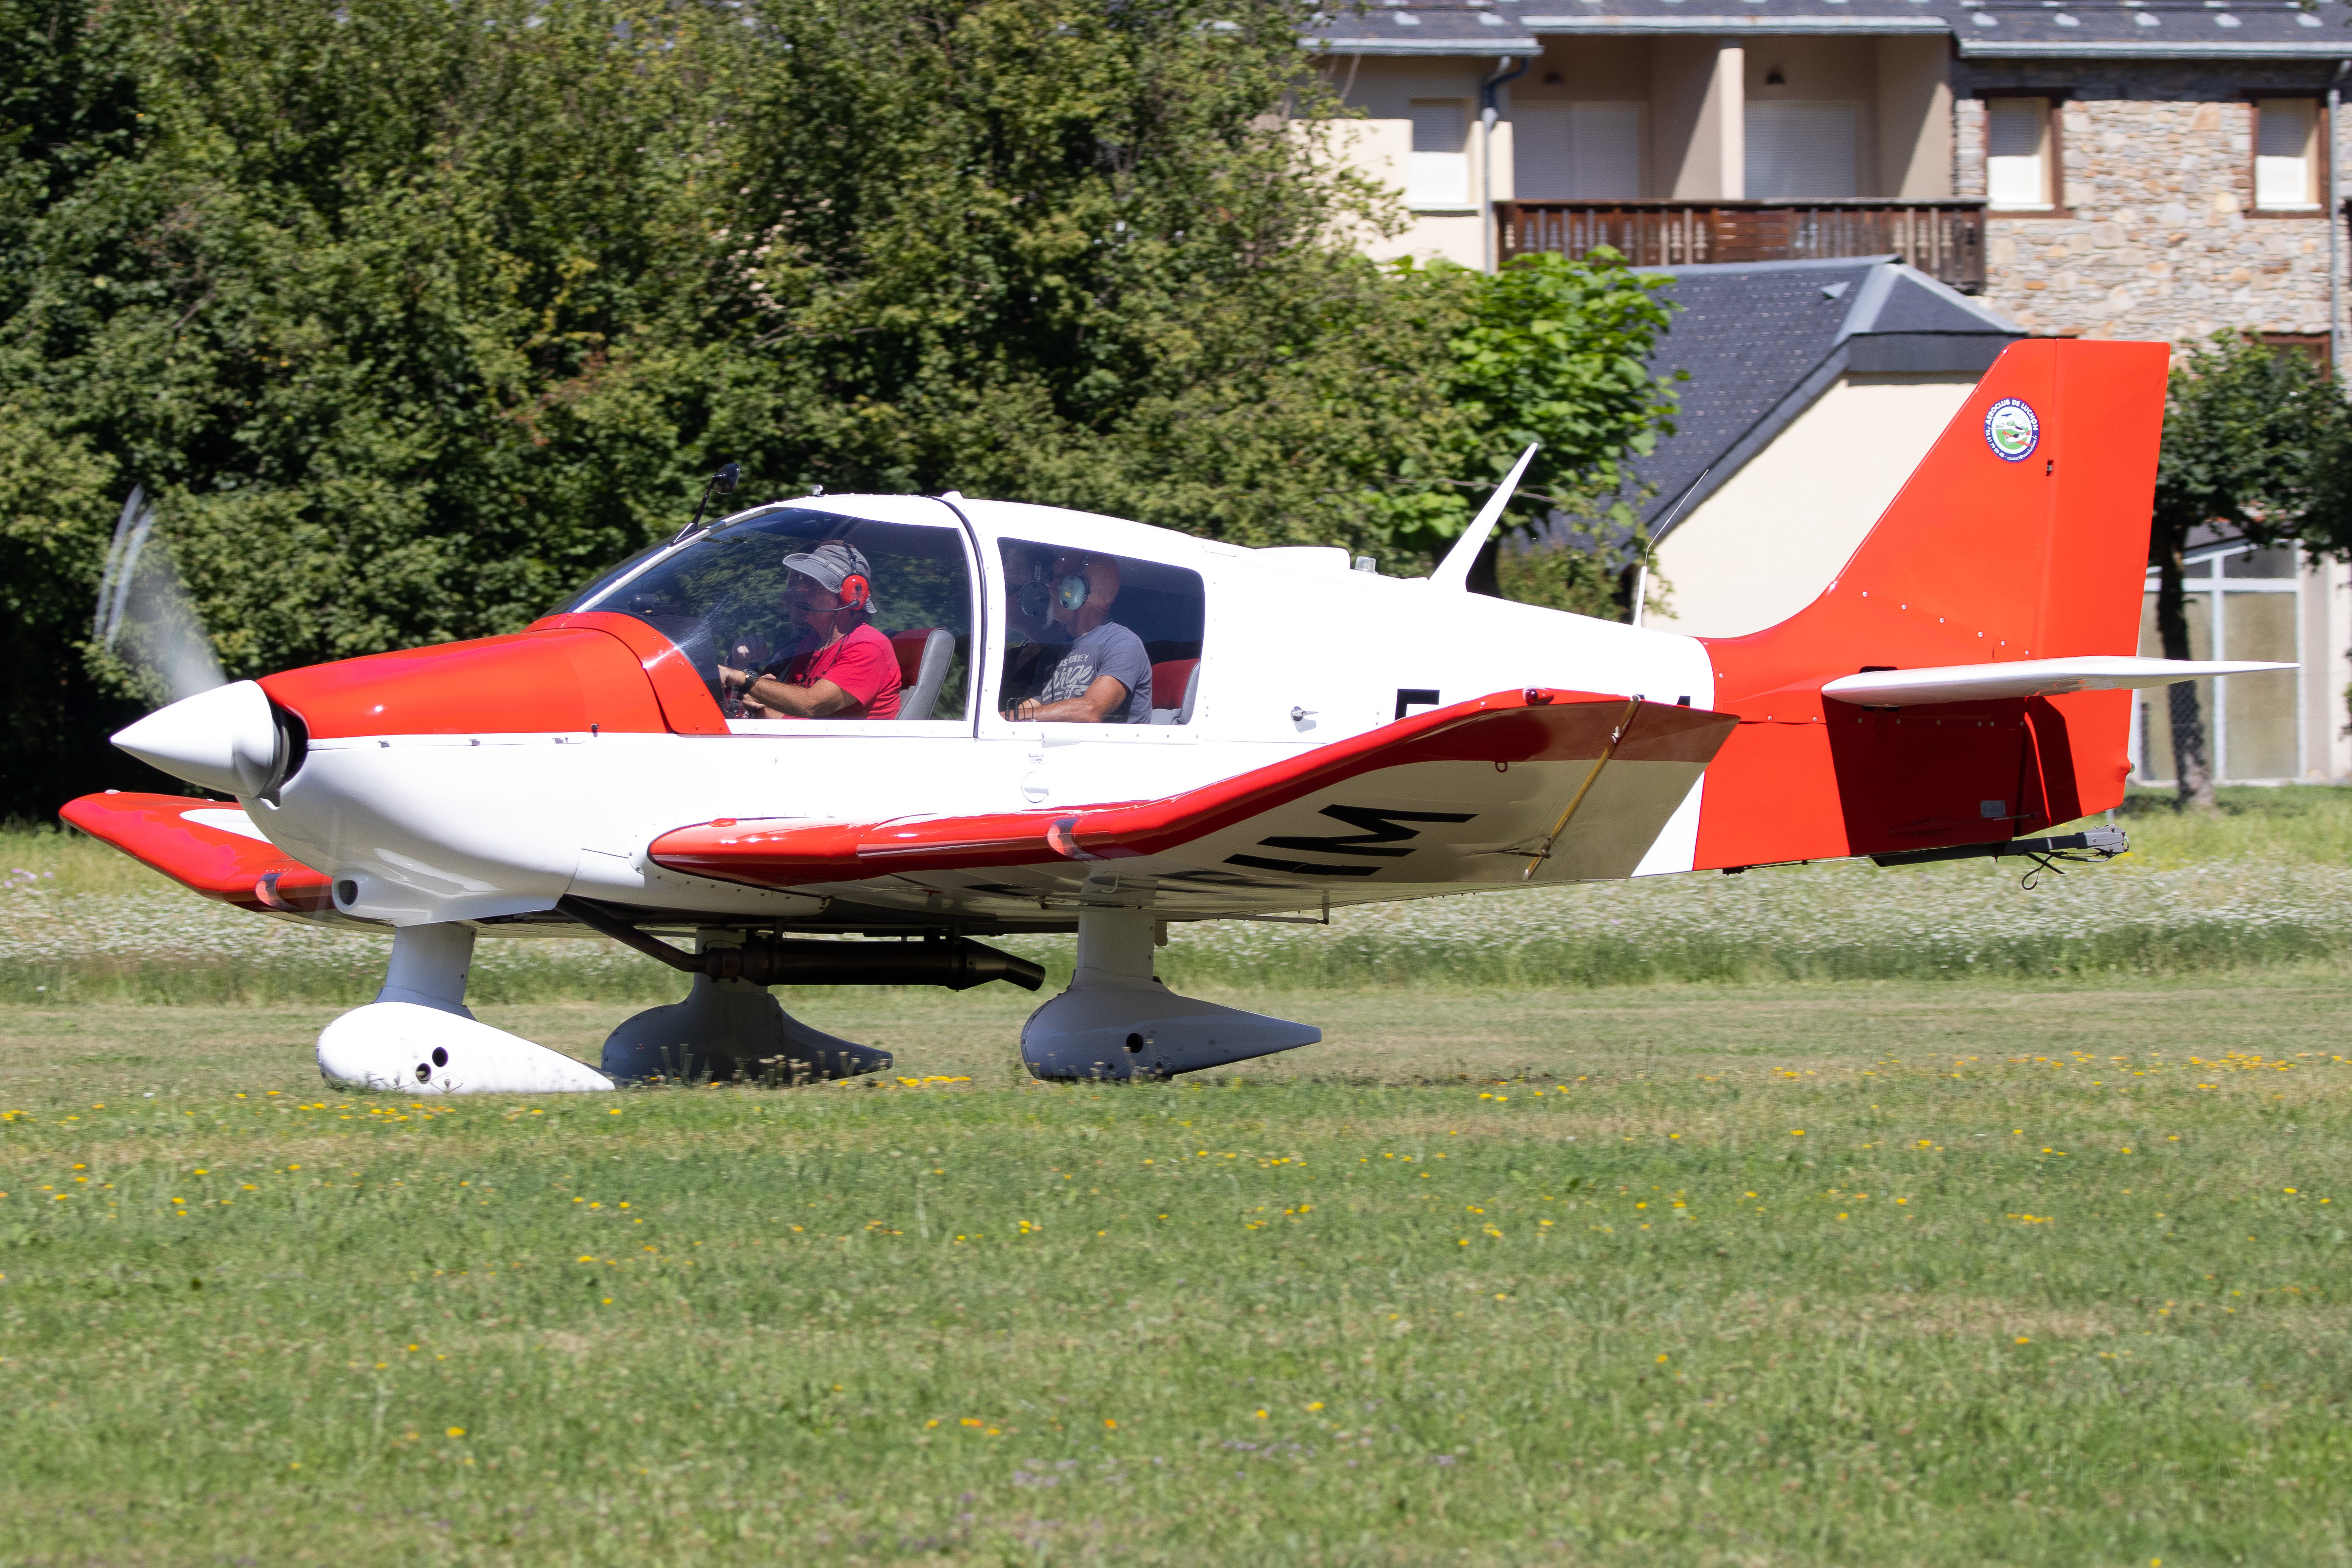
(2142, 169)
(2155, 230)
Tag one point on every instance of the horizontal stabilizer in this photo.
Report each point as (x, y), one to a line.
(1520, 786)
(210, 846)
(2026, 678)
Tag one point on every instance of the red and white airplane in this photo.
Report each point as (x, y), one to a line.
(1082, 724)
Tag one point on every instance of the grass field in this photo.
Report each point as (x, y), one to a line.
(2043, 1269)
(2265, 883)
(1883, 1273)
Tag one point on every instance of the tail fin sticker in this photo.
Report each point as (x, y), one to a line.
(2012, 429)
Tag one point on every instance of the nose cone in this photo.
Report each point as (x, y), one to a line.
(224, 738)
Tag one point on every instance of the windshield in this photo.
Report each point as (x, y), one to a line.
(722, 599)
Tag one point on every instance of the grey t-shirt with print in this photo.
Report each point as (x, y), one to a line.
(1109, 650)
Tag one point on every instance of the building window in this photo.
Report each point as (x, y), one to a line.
(2313, 347)
(1576, 152)
(1096, 638)
(2241, 602)
(1439, 175)
(2021, 157)
(1797, 150)
(2286, 160)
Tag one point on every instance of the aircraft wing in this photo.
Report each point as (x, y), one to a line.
(1535, 786)
(208, 844)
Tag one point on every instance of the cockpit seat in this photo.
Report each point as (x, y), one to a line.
(924, 655)
(1176, 675)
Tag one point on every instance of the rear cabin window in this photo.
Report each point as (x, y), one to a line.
(722, 599)
(1098, 638)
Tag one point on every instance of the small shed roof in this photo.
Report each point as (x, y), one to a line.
(1762, 339)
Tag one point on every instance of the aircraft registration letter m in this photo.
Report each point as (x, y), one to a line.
(1379, 833)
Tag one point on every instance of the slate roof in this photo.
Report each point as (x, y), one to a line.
(2143, 30)
(1423, 27)
(1762, 339)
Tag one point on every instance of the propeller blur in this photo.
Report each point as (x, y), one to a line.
(849, 739)
(145, 617)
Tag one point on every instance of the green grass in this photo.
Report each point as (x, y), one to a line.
(2000, 1227)
(1393, 1300)
(2263, 885)
(2307, 822)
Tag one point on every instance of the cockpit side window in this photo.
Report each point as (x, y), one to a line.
(723, 600)
(1096, 638)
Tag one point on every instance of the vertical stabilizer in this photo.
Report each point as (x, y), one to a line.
(2021, 535)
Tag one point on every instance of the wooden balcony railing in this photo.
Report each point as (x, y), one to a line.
(1943, 239)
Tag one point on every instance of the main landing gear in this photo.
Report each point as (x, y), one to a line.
(1116, 1020)
(730, 1028)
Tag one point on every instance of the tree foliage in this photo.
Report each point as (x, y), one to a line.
(2255, 441)
(416, 313)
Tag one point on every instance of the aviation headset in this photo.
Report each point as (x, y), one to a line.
(1039, 596)
(855, 591)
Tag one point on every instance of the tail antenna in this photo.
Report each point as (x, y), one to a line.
(1453, 571)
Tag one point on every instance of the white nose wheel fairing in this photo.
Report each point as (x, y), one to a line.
(1117, 1021)
(417, 1037)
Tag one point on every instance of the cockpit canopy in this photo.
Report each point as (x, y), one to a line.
(721, 598)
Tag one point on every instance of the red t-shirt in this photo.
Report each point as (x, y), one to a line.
(862, 664)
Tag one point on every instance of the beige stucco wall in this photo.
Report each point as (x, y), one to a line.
(1695, 92)
(1381, 144)
(1764, 545)
(1698, 131)
(1915, 118)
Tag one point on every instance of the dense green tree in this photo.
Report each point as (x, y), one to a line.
(2254, 440)
(414, 314)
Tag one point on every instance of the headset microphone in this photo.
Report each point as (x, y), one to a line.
(855, 592)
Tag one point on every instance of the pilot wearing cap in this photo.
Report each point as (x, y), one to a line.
(841, 666)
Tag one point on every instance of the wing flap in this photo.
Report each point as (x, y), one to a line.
(2026, 678)
(209, 846)
(1479, 791)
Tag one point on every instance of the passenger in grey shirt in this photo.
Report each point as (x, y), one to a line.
(1104, 677)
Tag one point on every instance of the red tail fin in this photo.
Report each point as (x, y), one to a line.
(2022, 534)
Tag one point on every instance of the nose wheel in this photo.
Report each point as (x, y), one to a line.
(417, 1037)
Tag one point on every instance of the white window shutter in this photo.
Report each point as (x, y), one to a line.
(2283, 162)
(1608, 149)
(1576, 152)
(1543, 157)
(2017, 131)
(1439, 174)
(1797, 150)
